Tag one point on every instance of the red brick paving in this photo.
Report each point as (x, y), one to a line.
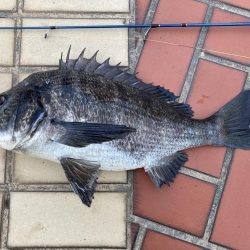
(206, 159)
(184, 205)
(210, 91)
(134, 231)
(233, 220)
(234, 40)
(157, 241)
(141, 10)
(160, 63)
(214, 85)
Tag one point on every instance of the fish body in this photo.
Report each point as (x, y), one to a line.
(91, 116)
(73, 96)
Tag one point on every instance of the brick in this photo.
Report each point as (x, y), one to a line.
(134, 231)
(77, 5)
(233, 220)
(6, 43)
(242, 3)
(159, 241)
(7, 4)
(36, 50)
(207, 96)
(34, 170)
(208, 93)
(229, 40)
(184, 205)
(206, 159)
(60, 219)
(165, 64)
(141, 10)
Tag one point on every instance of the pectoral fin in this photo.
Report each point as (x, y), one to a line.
(82, 176)
(79, 134)
(167, 168)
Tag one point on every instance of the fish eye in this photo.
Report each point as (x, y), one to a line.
(2, 99)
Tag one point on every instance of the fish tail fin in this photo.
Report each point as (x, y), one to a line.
(234, 120)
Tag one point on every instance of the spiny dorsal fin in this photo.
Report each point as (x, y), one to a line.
(91, 66)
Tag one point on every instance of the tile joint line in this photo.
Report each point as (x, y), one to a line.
(172, 232)
(196, 55)
(227, 7)
(140, 237)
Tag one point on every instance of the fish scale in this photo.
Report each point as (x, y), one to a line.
(154, 138)
(91, 116)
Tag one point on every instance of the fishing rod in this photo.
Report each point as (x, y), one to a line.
(128, 26)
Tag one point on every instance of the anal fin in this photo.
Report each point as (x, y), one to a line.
(167, 169)
(82, 176)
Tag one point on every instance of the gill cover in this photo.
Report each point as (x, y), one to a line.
(30, 113)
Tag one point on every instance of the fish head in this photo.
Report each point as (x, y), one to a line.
(21, 112)
(9, 101)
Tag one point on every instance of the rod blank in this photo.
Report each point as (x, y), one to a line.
(129, 26)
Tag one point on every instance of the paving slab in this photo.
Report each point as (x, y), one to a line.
(224, 42)
(212, 76)
(9, 5)
(158, 241)
(36, 50)
(38, 220)
(134, 232)
(77, 5)
(43, 219)
(159, 62)
(233, 220)
(34, 170)
(6, 82)
(141, 10)
(184, 205)
(6, 42)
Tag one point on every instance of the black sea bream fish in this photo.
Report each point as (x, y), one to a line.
(92, 116)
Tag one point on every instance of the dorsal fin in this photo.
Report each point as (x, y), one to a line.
(91, 66)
